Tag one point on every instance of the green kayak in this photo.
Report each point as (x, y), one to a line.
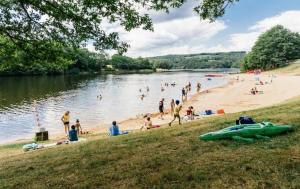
(247, 132)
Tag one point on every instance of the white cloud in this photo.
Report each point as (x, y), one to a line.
(182, 32)
(176, 36)
(245, 41)
(289, 19)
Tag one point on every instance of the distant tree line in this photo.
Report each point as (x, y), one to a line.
(274, 48)
(199, 61)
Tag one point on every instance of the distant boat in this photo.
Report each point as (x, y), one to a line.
(214, 75)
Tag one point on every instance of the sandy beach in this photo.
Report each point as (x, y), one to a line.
(234, 97)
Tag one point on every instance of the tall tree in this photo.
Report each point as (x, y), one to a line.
(273, 49)
(74, 22)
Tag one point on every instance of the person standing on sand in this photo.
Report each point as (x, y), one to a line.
(198, 87)
(172, 106)
(78, 127)
(177, 112)
(66, 121)
(161, 108)
(183, 93)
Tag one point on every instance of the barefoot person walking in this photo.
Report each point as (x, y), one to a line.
(66, 121)
(177, 112)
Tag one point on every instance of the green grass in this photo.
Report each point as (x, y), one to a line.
(293, 68)
(167, 158)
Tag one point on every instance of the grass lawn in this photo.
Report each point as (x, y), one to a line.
(167, 158)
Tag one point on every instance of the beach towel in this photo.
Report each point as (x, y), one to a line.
(32, 146)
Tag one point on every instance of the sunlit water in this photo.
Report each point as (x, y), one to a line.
(78, 94)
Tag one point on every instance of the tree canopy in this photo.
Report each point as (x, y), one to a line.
(75, 22)
(273, 49)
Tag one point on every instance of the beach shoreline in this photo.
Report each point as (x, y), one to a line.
(232, 97)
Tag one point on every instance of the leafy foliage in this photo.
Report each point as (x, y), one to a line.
(212, 9)
(127, 63)
(273, 49)
(199, 61)
(54, 58)
(74, 22)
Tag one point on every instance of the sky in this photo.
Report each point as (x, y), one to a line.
(183, 32)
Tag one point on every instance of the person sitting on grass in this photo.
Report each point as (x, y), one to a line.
(115, 131)
(73, 134)
(177, 112)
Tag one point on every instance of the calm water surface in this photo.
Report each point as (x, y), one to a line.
(78, 94)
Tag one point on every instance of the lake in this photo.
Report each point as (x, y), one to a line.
(56, 94)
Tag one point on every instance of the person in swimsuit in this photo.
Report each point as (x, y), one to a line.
(66, 121)
(177, 112)
(78, 127)
(148, 123)
(172, 106)
(161, 108)
(198, 87)
(183, 93)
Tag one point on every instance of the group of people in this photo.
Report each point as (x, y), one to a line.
(143, 94)
(175, 108)
(75, 129)
(254, 91)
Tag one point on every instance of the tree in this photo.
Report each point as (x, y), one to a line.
(74, 22)
(273, 49)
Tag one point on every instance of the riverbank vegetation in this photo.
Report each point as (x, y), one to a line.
(48, 58)
(275, 48)
(199, 61)
(170, 157)
(54, 58)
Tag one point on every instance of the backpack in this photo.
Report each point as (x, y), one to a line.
(245, 120)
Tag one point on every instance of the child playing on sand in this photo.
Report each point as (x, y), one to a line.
(177, 112)
(78, 126)
(73, 134)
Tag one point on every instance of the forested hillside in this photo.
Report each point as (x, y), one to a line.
(199, 61)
